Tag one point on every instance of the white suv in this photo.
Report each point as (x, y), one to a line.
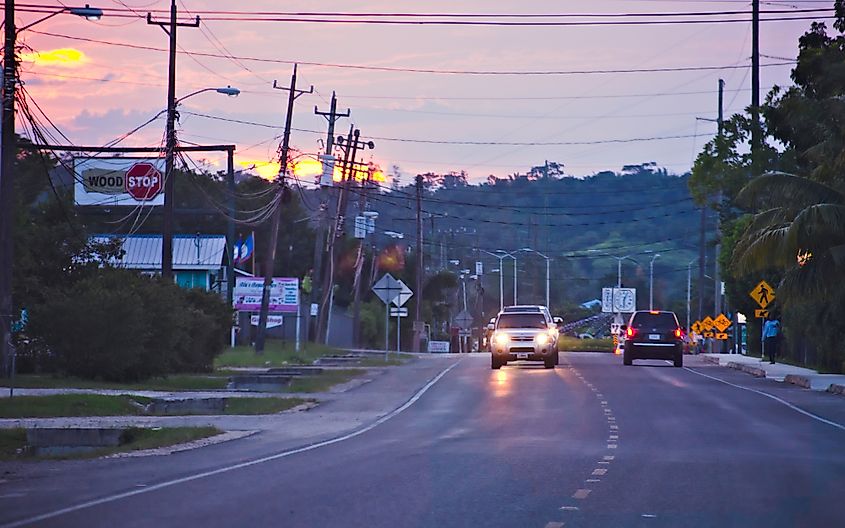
(524, 333)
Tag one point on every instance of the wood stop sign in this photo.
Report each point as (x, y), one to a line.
(143, 181)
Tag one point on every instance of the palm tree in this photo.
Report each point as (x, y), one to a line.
(799, 229)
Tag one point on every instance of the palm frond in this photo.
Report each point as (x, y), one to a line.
(816, 227)
(761, 249)
(780, 189)
(811, 281)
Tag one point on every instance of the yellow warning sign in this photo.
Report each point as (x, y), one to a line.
(709, 334)
(760, 313)
(696, 327)
(707, 323)
(721, 336)
(722, 323)
(763, 293)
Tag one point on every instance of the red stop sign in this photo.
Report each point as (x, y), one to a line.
(143, 181)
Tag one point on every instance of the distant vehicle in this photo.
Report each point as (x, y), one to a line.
(524, 335)
(653, 335)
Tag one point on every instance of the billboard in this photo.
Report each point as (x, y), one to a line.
(118, 181)
(284, 294)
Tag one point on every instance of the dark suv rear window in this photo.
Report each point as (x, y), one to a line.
(660, 320)
(521, 320)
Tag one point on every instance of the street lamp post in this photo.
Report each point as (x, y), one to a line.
(8, 154)
(689, 288)
(170, 134)
(501, 254)
(548, 271)
(651, 282)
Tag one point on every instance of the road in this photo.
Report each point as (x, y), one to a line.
(591, 443)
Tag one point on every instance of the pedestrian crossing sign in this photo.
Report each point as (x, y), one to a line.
(763, 294)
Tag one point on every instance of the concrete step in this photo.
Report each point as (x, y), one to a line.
(259, 382)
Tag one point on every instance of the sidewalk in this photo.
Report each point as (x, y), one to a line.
(803, 377)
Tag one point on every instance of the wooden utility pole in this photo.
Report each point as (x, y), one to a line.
(420, 270)
(169, 27)
(7, 168)
(270, 259)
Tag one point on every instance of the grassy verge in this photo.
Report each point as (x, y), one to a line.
(324, 381)
(573, 344)
(97, 405)
(12, 441)
(170, 383)
(70, 405)
(276, 354)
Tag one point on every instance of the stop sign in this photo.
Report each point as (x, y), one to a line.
(143, 181)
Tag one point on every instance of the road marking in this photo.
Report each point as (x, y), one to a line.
(649, 516)
(609, 457)
(611, 446)
(591, 480)
(604, 402)
(554, 525)
(614, 427)
(569, 508)
(283, 454)
(604, 462)
(581, 493)
(599, 471)
(614, 437)
(779, 400)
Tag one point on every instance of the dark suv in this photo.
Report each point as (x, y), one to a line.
(653, 335)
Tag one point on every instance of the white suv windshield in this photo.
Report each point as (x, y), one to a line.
(521, 320)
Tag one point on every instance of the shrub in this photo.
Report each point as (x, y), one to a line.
(118, 325)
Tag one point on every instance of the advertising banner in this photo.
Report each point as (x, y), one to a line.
(118, 181)
(284, 294)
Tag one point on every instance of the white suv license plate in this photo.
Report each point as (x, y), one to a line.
(521, 355)
(654, 337)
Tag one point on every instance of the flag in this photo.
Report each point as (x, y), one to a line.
(247, 248)
(236, 251)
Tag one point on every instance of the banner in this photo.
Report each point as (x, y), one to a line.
(103, 181)
(284, 294)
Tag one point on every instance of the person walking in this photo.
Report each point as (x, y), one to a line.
(771, 336)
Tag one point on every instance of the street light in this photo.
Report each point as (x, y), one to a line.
(651, 282)
(502, 254)
(548, 274)
(170, 134)
(8, 155)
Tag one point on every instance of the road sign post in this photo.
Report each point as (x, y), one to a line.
(763, 294)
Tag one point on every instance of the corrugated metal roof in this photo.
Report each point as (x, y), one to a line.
(190, 252)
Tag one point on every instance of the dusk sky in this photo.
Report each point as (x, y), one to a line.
(95, 91)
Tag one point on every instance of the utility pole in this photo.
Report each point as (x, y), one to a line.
(7, 167)
(230, 227)
(270, 261)
(359, 266)
(169, 27)
(717, 278)
(320, 240)
(756, 133)
(418, 324)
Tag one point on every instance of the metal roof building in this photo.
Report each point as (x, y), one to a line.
(199, 261)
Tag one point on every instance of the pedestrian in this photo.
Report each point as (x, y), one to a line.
(771, 336)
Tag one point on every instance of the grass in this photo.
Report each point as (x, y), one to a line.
(573, 344)
(323, 382)
(13, 441)
(70, 405)
(97, 405)
(180, 382)
(276, 354)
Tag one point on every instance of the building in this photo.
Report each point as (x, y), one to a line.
(199, 261)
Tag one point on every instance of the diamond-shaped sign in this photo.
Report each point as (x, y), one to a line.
(707, 324)
(404, 294)
(763, 293)
(387, 288)
(696, 327)
(464, 320)
(722, 323)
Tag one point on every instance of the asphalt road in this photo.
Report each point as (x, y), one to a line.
(591, 443)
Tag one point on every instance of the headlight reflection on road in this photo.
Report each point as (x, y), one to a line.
(500, 384)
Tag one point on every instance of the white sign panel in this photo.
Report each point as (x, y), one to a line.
(327, 177)
(360, 227)
(404, 294)
(398, 312)
(272, 320)
(622, 300)
(438, 347)
(284, 294)
(102, 181)
(387, 288)
(479, 269)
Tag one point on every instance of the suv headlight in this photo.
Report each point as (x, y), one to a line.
(542, 339)
(501, 339)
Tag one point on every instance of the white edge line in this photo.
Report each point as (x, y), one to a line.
(779, 400)
(169, 483)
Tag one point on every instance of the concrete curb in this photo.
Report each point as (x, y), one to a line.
(797, 379)
(757, 372)
(712, 360)
(225, 436)
(835, 388)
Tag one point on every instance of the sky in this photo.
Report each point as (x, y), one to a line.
(96, 92)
